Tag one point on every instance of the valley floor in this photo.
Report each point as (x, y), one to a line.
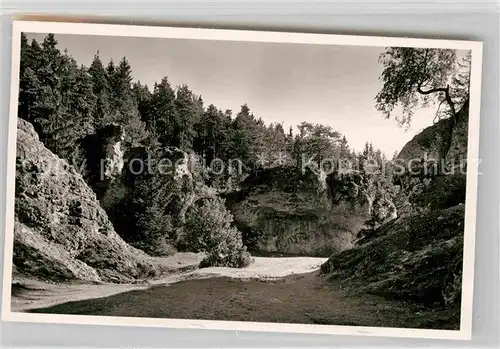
(287, 290)
(28, 294)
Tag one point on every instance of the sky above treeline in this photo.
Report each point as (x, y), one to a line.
(285, 83)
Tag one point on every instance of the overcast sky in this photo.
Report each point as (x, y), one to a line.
(289, 83)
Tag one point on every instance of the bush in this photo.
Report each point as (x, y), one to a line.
(208, 229)
(159, 247)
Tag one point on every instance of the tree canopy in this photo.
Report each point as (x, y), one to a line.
(414, 77)
(80, 111)
(67, 102)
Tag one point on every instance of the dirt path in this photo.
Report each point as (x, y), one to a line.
(302, 298)
(29, 294)
(286, 290)
(263, 268)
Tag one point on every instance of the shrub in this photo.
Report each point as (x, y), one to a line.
(162, 247)
(158, 247)
(208, 229)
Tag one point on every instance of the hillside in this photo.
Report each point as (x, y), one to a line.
(61, 232)
(173, 207)
(418, 256)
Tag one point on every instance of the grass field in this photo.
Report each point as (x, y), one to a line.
(306, 298)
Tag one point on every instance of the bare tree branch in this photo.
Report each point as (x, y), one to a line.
(446, 91)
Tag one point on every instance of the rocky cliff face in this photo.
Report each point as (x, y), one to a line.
(61, 232)
(104, 155)
(418, 256)
(282, 210)
(158, 202)
(148, 199)
(444, 141)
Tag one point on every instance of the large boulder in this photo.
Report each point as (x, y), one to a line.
(283, 210)
(61, 232)
(433, 142)
(444, 142)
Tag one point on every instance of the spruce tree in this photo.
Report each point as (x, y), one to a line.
(100, 88)
(188, 112)
(29, 85)
(246, 138)
(143, 99)
(163, 113)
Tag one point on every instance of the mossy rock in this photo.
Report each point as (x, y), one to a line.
(417, 258)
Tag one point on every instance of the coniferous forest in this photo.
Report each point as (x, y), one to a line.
(155, 182)
(75, 109)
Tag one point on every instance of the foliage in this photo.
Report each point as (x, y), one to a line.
(208, 229)
(69, 103)
(161, 116)
(414, 77)
(56, 95)
(147, 215)
(416, 258)
(318, 141)
(73, 106)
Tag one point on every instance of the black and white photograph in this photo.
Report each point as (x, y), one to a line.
(231, 179)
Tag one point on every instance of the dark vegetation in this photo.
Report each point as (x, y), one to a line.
(418, 256)
(100, 120)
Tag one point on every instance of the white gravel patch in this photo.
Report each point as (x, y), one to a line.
(265, 267)
(40, 294)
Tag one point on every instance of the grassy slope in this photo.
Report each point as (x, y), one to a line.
(416, 259)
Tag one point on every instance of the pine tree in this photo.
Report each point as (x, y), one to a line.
(206, 129)
(111, 77)
(274, 144)
(143, 98)
(29, 85)
(366, 150)
(213, 131)
(163, 113)
(123, 81)
(246, 138)
(98, 75)
(100, 89)
(123, 105)
(80, 103)
(49, 101)
(25, 55)
(344, 148)
(188, 112)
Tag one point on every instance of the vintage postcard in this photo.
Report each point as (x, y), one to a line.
(241, 180)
